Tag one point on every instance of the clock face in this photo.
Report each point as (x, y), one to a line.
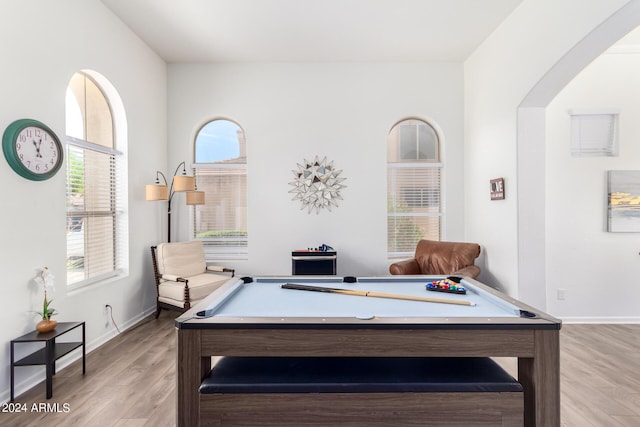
(37, 150)
(32, 149)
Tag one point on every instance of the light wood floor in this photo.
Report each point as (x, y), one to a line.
(130, 381)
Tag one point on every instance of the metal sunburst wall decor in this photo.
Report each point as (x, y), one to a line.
(317, 185)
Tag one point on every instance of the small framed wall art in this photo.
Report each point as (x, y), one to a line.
(496, 188)
(624, 201)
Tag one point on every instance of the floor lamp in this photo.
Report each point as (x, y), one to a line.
(179, 183)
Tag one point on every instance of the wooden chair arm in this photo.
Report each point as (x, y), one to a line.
(173, 278)
(221, 269)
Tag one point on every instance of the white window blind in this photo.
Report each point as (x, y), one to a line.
(222, 221)
(594, 133)
(413, 186)
(414, 206)
(92, 211)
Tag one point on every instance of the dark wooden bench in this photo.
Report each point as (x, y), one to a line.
(339, 391)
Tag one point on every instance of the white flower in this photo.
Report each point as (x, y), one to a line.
(46, 279)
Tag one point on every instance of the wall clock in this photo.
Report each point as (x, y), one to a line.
(32, 149)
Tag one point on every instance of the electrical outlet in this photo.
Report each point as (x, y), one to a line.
(107, 308)
(561, 294)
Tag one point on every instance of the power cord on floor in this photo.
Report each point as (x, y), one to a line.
(110, 310)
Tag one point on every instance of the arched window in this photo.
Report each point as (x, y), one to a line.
(413, 186)
(96, 189)
(221, 172)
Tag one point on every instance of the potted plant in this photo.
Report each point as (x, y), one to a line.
(46, 279)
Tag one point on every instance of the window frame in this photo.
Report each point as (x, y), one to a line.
(422, 168)
(117, 193)
(220, 247)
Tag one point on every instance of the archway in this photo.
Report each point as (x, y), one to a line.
(530, 146)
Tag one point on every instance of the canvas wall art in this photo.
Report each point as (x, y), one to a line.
(624, 201)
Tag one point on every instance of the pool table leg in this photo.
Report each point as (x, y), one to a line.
(191, 367)
(540, 377)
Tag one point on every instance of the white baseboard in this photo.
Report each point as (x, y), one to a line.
(67, 360)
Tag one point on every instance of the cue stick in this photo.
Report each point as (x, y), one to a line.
(374, 294)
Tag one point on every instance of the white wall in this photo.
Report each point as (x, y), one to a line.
(289, 112)
(44, 43)
(597, 269)
(292, 111)
(498, 77)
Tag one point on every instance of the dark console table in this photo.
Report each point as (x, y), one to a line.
(51, 351)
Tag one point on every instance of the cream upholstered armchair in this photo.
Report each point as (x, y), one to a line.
(182, 275)
(433, 257)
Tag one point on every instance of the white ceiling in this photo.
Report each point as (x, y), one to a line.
(312, 30)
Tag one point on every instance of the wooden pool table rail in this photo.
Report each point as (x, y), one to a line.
(537, 352)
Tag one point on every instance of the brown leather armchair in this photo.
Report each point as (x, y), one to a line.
(450, 258)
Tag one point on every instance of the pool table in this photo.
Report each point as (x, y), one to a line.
(258, 317)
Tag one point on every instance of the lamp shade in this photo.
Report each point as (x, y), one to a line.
(195, 197)
(157, 192)
(184, 183)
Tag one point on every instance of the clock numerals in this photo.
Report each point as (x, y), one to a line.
(41, 167)
(34, 155)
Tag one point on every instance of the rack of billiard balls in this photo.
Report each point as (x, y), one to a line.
(447, 285)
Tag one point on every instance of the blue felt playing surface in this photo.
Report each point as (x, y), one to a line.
(266, 298)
